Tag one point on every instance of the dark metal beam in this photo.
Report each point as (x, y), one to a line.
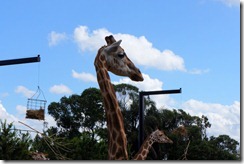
(141, 109)
(20, 61)
(160, 92)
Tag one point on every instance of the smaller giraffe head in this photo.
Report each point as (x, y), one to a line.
(118, 62)
(160, 137)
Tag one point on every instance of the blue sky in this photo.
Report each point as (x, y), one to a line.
(193, 45)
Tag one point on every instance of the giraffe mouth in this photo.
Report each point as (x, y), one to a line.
(137, 77)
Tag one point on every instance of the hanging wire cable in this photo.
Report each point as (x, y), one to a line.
(36, 105)
(45, 124)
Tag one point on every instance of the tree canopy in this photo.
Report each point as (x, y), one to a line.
(81, 133)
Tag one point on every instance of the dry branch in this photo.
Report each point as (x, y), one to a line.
(185, 152)
(54, 143)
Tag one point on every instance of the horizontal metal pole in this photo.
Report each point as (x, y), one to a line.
(20, 61)
(145, 93)
(30, 99)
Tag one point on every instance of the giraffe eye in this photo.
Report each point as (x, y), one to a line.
(121, 55)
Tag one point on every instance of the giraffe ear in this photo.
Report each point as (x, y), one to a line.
(113, 47)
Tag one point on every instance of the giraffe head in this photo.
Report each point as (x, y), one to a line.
(160, 137)
(116, 61)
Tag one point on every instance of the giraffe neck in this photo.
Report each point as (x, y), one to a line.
(144, 149)
(117, 138)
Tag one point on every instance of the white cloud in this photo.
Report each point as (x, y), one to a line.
(90, 41)
(147, 84)
(198, 71)
(4, 115)
(165, 101)
(36, 124)
(60, 89)
(231, 3)
(87, 77)
(21, 109)
(5, 94)
(23, 90)
(139, 49)
(54, 38)
(225, 119)
(151, 84)
(142, 52)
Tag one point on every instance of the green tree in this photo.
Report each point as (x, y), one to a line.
(81, 119)
(13, 144)
(227, 146)
(84, 147)
(67, 114)
(93, 112)
(75, 112)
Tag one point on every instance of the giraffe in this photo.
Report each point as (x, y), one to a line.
(39, 156)
(156, 136)
(114, 59)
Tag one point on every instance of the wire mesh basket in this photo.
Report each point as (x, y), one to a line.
(36, 106)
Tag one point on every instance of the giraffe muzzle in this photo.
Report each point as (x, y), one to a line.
(137, 77)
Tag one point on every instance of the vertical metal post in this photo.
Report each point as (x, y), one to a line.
(141, 118)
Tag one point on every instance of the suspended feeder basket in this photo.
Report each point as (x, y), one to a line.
(36, 106)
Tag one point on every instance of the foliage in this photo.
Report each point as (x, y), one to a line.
(85, 147)
(81, 131)
(77, 112)
(67, 115)
(13, 144)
